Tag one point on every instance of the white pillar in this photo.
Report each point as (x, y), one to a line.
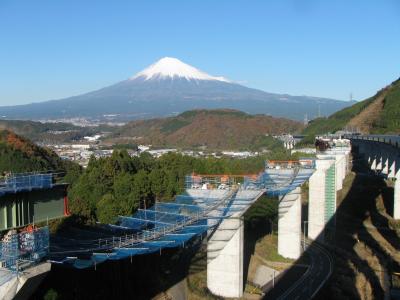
(385, 163)
(225, 259)
(373, 162)
(340, 167)
(347, 167)
(369, 157)
(396, 197)
(316, 202)
(392, 169)
(379, 160)
(344, 167)
(289, 225)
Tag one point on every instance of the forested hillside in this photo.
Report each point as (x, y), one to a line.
(375, 115)
(118, 185)
(213, 129)
(18, 154)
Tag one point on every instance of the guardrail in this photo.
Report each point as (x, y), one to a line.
(393, 140)
(25, 182)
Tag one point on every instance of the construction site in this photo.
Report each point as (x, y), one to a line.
(209, 212)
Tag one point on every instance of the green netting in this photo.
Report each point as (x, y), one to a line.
(330, 193)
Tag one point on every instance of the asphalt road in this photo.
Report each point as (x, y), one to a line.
(304, 283)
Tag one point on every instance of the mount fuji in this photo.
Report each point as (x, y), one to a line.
(169, 87)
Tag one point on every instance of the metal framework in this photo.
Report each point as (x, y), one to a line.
(208, 200)
(21, 250)
(13, 183)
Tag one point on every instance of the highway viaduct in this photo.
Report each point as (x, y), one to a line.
(382, 152)
(325, 177)
(225, 231)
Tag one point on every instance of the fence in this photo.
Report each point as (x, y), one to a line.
(24, 182)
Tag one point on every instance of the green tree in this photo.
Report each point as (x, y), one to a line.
(141, 195)
(108, 209)
(51, 295)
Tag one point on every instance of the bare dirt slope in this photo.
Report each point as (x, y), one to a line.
(365, 120)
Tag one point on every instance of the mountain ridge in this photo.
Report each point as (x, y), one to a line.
(223, 129)
(167, 91)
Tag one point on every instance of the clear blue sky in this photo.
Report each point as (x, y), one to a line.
(54, 49)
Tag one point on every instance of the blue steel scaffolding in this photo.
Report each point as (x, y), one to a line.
(21, 250)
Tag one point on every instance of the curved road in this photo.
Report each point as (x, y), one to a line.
(307, 285)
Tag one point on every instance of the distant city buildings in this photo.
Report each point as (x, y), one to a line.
(81, 152)
(289, 141)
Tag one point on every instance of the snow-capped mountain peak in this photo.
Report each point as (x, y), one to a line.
(169, 67)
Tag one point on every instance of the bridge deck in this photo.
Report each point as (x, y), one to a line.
(167, 225)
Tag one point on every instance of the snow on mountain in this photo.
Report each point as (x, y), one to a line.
(173, 67)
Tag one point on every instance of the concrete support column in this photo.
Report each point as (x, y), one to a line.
(225, 259)
(340, 170)
(14, 214)
(289, 225)
(373, 163)
(373, 156)
(347, 167)
(317, 199)
(392, 169)
(379, 159)
(386, 164)
(3, 219)
(28, 281)
(396, 197)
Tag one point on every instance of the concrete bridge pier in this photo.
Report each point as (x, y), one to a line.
(396, 197)
(391, 161)
(340, 166)
(392, 168)
(386, 158)
(371, 154)
(25, 284)
(289, 224)
(322, 198)
(385, 163)
(347, 163)
(372, 162)
(379, 162)
(225, 259)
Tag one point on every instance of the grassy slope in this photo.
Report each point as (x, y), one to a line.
(216, 129)
(388, 120)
